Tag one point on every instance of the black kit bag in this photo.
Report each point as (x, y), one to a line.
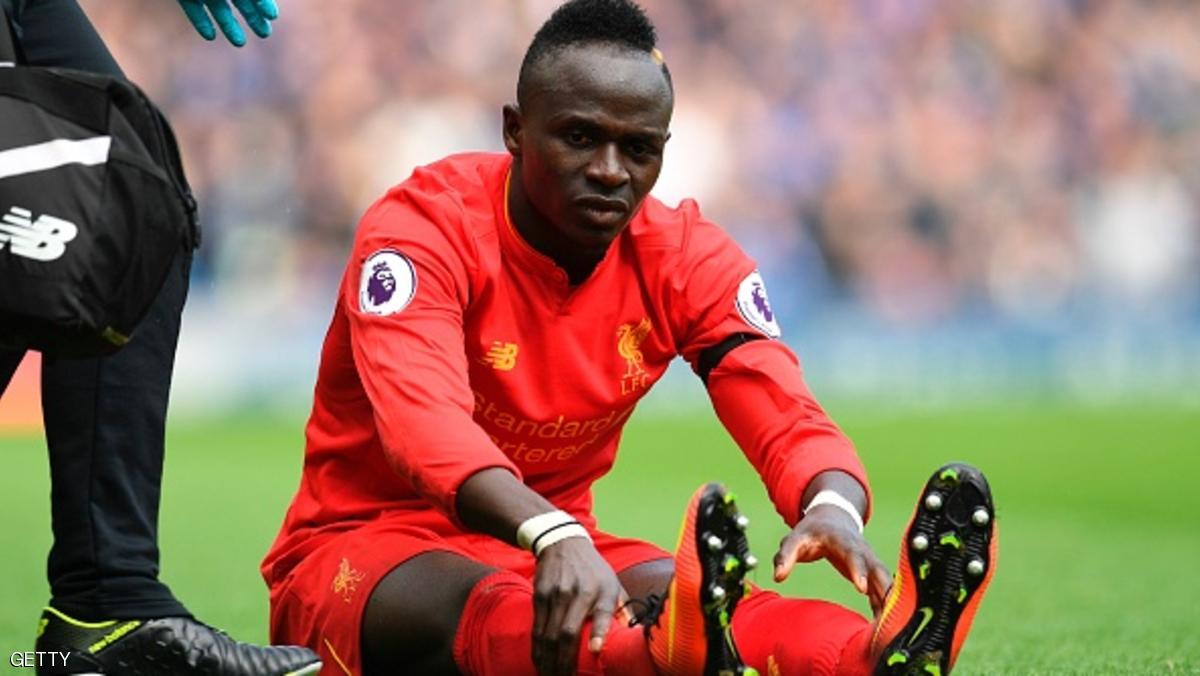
(94, 208)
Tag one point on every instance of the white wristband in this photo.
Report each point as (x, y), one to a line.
(830, 497)
(534, 526)
(558, 534)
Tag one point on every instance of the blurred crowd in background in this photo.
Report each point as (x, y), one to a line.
(915, 164)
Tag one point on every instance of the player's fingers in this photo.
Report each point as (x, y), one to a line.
(624, 614)
(268, 8)
(796, 547)
(856, 571)
(199, 17)
(541, 615)
(569, 628)
(602, 617)
(601, 621)
(226, 21)
(562, 600)
(880, 581)
(784, 559)
(257, 22)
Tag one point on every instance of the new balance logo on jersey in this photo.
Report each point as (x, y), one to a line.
(501, 356)
(42, 239)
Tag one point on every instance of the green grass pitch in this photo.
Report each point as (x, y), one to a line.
(1098, 558)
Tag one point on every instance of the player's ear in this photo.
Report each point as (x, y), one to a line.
(512, 129)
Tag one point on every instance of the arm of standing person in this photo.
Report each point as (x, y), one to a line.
(258, 15)
(404, 294)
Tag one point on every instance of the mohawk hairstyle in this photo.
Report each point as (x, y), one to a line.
(621, 23)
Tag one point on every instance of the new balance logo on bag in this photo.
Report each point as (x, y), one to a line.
(41, 239)
(95, 211)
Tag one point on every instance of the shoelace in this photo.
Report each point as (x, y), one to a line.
(648, 611)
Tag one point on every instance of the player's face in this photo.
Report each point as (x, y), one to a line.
(589, 140)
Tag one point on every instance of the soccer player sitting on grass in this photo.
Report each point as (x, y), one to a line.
(500, 317)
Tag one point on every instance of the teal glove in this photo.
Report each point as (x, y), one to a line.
(257, 13)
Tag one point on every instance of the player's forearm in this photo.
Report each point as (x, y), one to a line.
(760, 396)
(495, 502)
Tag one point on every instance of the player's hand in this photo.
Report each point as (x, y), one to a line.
(258, 15)
(827, 532)
(572, 583)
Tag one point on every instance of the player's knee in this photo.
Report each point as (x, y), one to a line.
(411, 620)
(410, 644)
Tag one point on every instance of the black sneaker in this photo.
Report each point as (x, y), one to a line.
(711, 562)
(946, 562)
(169, 646)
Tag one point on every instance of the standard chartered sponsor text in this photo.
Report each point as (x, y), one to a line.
(538, 440)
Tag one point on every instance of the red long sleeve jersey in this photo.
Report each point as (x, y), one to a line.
(455, 347)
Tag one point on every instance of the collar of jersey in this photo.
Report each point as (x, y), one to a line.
(522, 250)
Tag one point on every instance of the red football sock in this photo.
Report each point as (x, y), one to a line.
(778, 635)
(495, 635)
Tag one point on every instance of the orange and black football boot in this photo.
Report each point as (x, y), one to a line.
(690, 634)
(947, 559)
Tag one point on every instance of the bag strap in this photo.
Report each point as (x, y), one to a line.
(8, 50)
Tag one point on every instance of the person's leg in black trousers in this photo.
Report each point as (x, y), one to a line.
(105, 418)
(105, 423)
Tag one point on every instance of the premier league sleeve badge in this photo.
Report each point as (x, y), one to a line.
(754, 307)
(388, 283)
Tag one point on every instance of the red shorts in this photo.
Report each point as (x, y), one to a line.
(320, 603)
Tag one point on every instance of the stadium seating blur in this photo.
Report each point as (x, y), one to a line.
(962, 192)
